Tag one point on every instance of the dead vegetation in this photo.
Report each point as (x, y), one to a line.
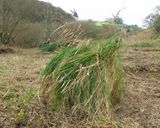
(19, 104)
(20, 107)
(140, 108)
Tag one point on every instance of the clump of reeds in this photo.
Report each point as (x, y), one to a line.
(86, 78)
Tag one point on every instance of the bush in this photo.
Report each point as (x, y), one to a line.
(48, 47)
(156, 25)
(86, 78)
(97, 31)
(29, 35)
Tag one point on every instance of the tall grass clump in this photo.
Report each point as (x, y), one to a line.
(85, 78)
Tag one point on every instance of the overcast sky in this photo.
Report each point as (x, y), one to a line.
(134, 10)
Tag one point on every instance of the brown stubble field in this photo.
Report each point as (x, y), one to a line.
(140, 107)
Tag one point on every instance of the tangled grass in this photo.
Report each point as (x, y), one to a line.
(86, 78)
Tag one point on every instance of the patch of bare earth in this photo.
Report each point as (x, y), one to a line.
(141, 104)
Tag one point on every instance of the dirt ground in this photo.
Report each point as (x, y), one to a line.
(19, 71)
(140, 107)
(141, 104)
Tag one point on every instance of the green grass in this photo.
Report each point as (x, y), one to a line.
(18, 102)
(101, 24)
(1, 70)
(86, 78)
(48, 47)
(157, 42)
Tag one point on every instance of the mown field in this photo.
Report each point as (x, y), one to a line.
(20, 80)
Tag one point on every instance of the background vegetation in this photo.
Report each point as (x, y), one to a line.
(25, 23)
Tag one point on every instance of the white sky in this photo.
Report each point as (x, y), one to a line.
(134, 13)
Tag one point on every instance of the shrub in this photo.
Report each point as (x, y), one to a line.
(91, 29)
(97, 30)
(87, 78)
(48, 47)
(156, 25)
(29, 35)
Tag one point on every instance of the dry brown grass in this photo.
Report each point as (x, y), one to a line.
(19, 104)
(140, 107)
(145, 34)
(143, 38)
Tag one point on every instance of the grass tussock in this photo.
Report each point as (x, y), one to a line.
(85, 78)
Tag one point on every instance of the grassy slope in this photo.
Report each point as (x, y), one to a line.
(144, 38)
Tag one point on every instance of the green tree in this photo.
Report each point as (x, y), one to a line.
(150, 19)
(156, 25)
(116, 18)
(153, 20)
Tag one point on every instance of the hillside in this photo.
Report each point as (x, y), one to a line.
(29, 21)
(33, 10)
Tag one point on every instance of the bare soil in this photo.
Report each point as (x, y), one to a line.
(19, 71)
(141, 104)
(140, 107)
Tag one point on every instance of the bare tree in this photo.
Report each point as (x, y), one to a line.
(116, 17)
(74, 13)
(117, 14)
(150, 19)
(8, 22)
